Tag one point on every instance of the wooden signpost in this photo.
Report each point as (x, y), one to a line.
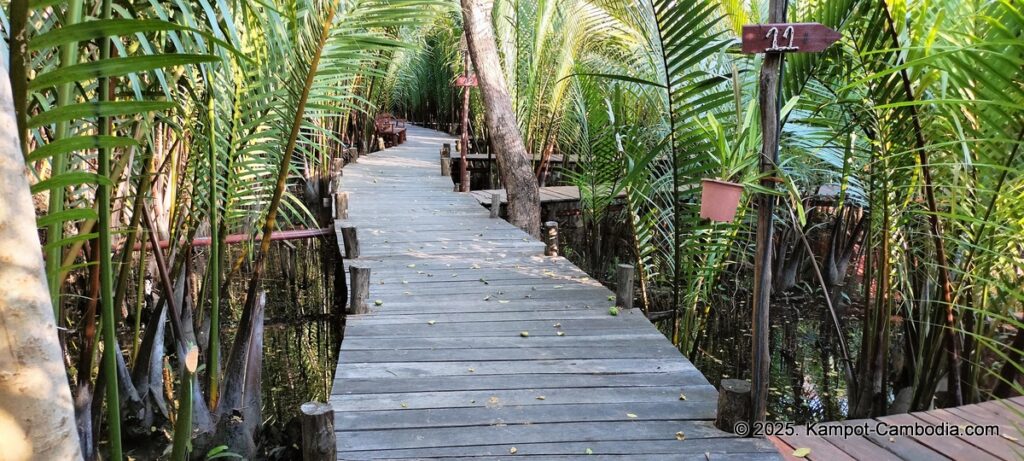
(799, 37)
(467, 80)
(774, 40)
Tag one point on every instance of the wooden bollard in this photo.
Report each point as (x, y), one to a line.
(495, 205)
(446, 166)
(337, 164)
(341, 205)
(551, 238)
(359, 279)
(381, 145)
(351, 242)
(318, 440)
(624, 290)
(734, 404)
(446, 150)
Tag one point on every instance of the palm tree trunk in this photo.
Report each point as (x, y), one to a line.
(513, 161)
(39, 420)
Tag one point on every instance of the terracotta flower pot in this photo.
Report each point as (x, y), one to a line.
(719, 199)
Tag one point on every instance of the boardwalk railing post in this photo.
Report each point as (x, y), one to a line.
(341, 205)
(360, 289)
(318, 439)
(446, 160)
(624, 290)
(551, 238)
(351, 242)
(495, 205)
(734, 404)
(446, 166)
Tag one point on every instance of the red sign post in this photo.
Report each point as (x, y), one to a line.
(466, 81)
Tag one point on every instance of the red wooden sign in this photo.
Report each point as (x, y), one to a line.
(804, 37)
(463, 81)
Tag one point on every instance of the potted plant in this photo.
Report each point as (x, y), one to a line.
(720, 197)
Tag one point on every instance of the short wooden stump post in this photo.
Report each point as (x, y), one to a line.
(551, 238)
(624, 289)
(341, 205)
(318, 441)
(359, 290)
(351, 241)
(734, 404)
(495, 205)
(446, 166)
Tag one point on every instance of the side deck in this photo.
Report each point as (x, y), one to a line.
(477, 345)
(1005, 416)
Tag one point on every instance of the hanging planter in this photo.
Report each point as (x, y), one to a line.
(719, 199)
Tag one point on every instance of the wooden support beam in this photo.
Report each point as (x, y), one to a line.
(359, 279)
(318, 439)
(341, 205)
(624, 289)
(734, 405)
(351, 241)
(551, 238)
(495, 204)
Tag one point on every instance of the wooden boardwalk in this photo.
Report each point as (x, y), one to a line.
(477, 346)
(1007, 415)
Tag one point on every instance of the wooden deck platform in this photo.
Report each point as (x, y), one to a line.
(477, 346)
(1007, 415)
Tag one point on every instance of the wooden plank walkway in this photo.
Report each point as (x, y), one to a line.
(443, 366)
(1007, 415)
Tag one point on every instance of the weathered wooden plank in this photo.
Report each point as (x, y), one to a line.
(691, 449)
(636, 341)
(527, 433)
(547, 353)
(684, 380)
(508, 367)
(666, 395)
(524, 414)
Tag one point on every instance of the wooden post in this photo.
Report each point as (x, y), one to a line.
(464, 165)
(733, 405)
(318, 439)
(359, 290)
(337, 164)
(551, 238)
(624, 289)
(771, 68)
(446, 150)
(351, 242)
(446, 166)
(341, 205)
(495, 204)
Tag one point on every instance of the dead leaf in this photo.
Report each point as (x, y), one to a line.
(472, 370)
(560, 333)
(588, 451)
(801, 452)
(682, 396)
(541, 397)
(512, 451)
(405, 405)
(630, 415)
(680, 436)
(431, 322)
(525, 334)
